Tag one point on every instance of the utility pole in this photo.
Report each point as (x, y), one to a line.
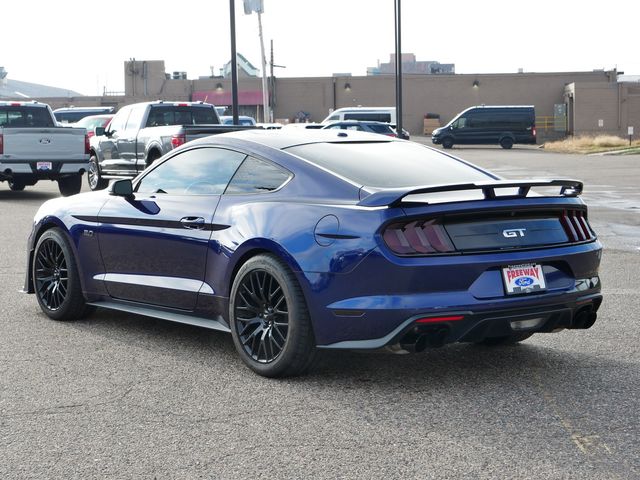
(258, 7)
(272, 81)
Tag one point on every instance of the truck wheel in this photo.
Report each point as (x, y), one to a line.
(16, 186)
(94, 179)
(506, 143)
(70, 185)
(447, 142)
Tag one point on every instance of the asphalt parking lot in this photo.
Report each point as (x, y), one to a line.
(121, 396)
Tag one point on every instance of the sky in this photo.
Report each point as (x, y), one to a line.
(82, 46)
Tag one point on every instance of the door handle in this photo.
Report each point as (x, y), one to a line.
(192, 223)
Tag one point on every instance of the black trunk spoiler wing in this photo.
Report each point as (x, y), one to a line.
(393, 197)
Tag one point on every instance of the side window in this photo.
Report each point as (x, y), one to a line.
(135, 119)
(200, 171)
(333, 118)
(120, 120)
(460, 123)
(257, 176)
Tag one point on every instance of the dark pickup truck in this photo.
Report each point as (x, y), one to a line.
(141, 133)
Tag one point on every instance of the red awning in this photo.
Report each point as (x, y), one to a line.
(250, 97)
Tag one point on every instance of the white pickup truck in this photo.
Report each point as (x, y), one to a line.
(33, 147)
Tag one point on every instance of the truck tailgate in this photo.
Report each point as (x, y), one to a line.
(58, 143)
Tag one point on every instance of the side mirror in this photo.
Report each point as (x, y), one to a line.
(99, 131)
(121, 188)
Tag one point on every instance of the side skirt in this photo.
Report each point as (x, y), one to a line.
(212, 324)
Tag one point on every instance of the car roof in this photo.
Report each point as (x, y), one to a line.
(285, 138)
(104, 109)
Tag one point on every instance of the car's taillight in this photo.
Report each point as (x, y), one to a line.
(417, 237)
(1, 144)
(534, 131)
(178, 140)
(576, 226)
(87, 144)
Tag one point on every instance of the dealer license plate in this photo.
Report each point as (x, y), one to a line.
(43, 166)
(525, 278)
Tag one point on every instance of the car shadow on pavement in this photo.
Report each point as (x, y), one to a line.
(27, 195)
(451, 366)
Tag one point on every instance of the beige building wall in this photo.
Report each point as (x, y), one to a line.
(590, 96)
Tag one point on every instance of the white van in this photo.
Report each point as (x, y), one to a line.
(373, 114)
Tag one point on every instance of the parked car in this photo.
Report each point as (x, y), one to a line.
(93, 121)
(303, 126)
(33, 147)
(372, 114)
(67, 115)
(497, 125)
(242, 119)
(363, 126)
(141, 133)
(297, 240)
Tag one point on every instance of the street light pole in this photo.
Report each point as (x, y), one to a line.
(398, 69)
(234, 63)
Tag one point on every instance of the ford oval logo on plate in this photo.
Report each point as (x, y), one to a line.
(524, 281)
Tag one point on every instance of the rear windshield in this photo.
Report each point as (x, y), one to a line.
(25, 117)
(176, 115)
(389, 164)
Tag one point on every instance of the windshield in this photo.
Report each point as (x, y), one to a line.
(389, 164)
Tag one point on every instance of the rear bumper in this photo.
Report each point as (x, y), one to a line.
(451, 326)
(12, 169)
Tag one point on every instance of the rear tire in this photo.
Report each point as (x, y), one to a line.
(55, 278)
(447, 143)
(506, 340)
(70, 185)
(94, 178)
(506, 143)
(16, 186)
(269, 319)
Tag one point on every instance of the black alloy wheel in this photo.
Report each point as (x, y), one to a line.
(51, 274)
(269, 319)
(55, 278)
(262, 312)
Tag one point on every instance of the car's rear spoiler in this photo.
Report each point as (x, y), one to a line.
(393, 197)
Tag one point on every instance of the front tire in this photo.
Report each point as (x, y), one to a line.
(94, 178)
(447, 142)
(55, 278)
(70, 185)
(269, 319)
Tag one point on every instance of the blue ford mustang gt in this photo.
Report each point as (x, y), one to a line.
(294, 241)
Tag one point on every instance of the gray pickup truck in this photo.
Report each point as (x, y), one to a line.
(141, 133)
(33, 148)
